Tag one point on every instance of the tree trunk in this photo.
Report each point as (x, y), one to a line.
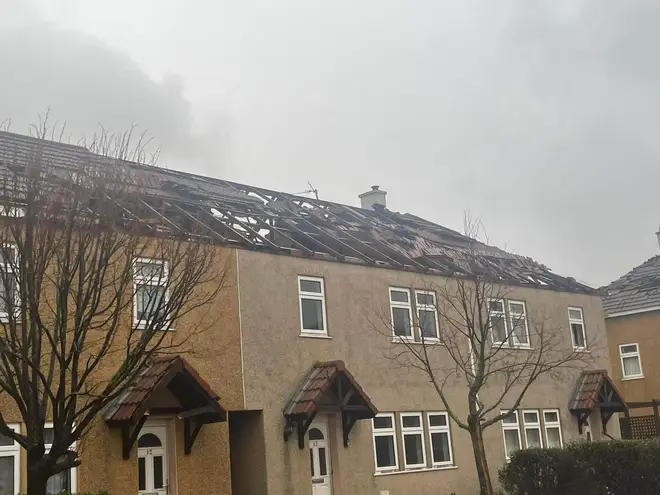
(36, 476)
(476, 434)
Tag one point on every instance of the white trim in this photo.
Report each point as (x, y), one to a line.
(430, 308)
(310, 335)
(633, 312)
(513, 427)
(401, 305)
(629, 355)
(499, 314)
(409, 431)
(532, 425)
(240, 324)
(513, 338)
(580, 321)
(316, 296)
(73, 472)
(385, 432)
(547, 425)
(440, 429)
(425, 470)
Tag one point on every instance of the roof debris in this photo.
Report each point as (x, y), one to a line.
(637, 290)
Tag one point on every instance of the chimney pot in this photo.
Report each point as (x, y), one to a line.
(375, 199)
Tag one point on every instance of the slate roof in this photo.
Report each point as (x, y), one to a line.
(637, 290)
(256, 218)
(589, 386)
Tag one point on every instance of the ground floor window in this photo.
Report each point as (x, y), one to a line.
(64, 480)
(534, 422)
(10, 471)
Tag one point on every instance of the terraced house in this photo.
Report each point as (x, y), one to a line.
(293, 387)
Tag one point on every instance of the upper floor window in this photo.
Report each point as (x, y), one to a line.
(518, 318)
(497, 317)
(576, 322)
(385, 449)
(401, 310)
(149, 289)
(8, 290)
(512, 331)
(10, 457)
(311, 292)
(631, 361)
(427, 314)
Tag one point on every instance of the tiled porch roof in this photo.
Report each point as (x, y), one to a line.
(595, 387)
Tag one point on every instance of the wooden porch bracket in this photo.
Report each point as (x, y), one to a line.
(129, 436)
(191, 429)
(347, 422)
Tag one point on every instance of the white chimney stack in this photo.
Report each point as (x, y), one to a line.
(657, 234)
(374, 199)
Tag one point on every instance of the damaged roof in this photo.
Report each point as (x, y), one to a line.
(249, 217)
(637, 291)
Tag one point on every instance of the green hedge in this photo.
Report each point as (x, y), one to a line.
(618, 467)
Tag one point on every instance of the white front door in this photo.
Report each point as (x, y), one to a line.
(319, 458)
(152, 461)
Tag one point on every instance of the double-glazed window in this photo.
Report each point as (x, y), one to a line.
(508, 330)
(631, 361)
(8, 286)
(552, 426)
(311, 293)
(149, 290)
(401, 309)
(576, 322)
(540, 428)
(10, 471)
(64, 480)
(511, 433)
(416, 433)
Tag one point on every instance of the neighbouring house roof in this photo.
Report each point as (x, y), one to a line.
(168, 384)
(595, 388)
(260, 219)
(637, 291)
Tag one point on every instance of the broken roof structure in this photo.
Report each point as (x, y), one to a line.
(255, 218)
(637, 291)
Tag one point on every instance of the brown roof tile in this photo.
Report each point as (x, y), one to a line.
(587, 390)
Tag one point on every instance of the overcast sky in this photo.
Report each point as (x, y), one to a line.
(541, 116)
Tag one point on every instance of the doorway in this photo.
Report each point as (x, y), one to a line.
(152, 461)
(319, 458)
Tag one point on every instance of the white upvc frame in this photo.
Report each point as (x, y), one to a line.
(430, 308)
(161, 281)
(629, 355)
(385, 432)
(401, 305)
(577, 321)
(513, 338)
(440, 429)
(4, 315)
(73, 472)
(532, 425)
(316, 296)
(511, 426)
(14, 451)
(548, 425)
(409, 431)
(499, 314)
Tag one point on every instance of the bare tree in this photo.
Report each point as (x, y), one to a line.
(75, 327)
(492, 352)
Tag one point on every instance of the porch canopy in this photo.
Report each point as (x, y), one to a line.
(327, 387)
(169, 385)
(595, 388)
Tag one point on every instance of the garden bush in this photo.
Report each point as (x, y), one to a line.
(618, 467)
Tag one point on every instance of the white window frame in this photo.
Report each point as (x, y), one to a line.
(630, 355)
(403, 305)
(427, 307)
(575, 321)
(440, 429)
(15, 452)
(317, 296)
(413, 431)
(536, 425)
(139, 280)
(73, 471)
(511, 426)
(552, 424)
(385, 432)
(4, 315)
(502, 314)
(513, 339)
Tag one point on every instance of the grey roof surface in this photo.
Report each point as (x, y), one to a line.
(637, 290)
(255, 218)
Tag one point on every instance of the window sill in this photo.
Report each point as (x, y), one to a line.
(409, 340)
(583, 350)
(309, 335)
(411, 471)
(514, 347)
(628, 378)
(143, 326)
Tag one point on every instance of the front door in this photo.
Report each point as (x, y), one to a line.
(152, 461)
(319, 458)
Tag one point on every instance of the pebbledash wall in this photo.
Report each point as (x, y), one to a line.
(206, 470)
(276, 357)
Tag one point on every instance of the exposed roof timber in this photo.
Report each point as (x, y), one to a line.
(227, 213)
(217, 234)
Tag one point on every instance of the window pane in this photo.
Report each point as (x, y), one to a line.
(531, 417)
(437, 420)
(440, 446)
(57, 483)
(401, 317)
(148, 301)
(399, 296)
(149, 271)
(578, 334)
(554, 439)
(551, 417)
(428, 324)
(323, 468)
(7, 475)
(142, 474)
(575, 314)
(383, 422)
(516, 308)
(533, 438)
(413, 449)
(312, 310)
(6, 442)
(310, 286)
(315, 434)
(426, 299)
(158, 472)
(411, 421)
(520, 331)
(631, 366)
(496, 306)
(48, 436)
(511, 440)
(385, 451)
(149, 440)
(7, 293)
(499, 328)
(627, 349)
(513, 419)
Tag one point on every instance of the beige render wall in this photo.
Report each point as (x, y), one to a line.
(276, 358)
